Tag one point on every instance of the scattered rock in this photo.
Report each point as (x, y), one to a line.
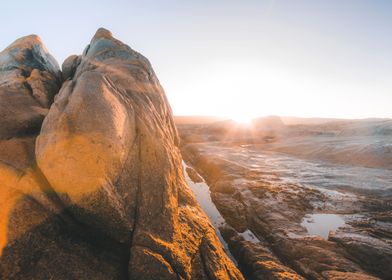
(273, 211)
(375, 253)
(256, 259)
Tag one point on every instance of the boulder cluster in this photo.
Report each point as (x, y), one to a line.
(91, 180)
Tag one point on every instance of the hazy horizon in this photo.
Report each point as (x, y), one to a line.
(284, 116)
(327, 59)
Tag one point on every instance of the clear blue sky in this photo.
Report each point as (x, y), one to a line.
(330, 58)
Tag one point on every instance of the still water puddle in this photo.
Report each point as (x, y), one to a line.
(249, 236)
(322, 224)
(203, 196)
(202, 193)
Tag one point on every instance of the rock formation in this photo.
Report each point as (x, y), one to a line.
(251, 195)
(98, 191)
(29, 79)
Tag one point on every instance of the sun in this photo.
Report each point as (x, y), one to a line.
(242, 119)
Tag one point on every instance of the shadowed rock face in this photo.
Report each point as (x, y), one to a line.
(103, 195)
(29, 78)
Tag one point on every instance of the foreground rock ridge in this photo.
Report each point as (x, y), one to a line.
(92, 180)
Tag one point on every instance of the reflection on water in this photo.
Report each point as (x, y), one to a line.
(202, 193)
(203, 196)
(322, 224)
(249, 236)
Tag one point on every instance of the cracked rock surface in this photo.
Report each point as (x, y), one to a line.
(92, 185)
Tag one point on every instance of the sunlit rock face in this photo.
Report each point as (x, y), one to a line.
(29, 79)
(103, 195)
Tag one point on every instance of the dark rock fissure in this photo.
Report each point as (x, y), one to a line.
(203, 261)
(138, 197)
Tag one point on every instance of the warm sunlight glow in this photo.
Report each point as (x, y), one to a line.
(242, 118)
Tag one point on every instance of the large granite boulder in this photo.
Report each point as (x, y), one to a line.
(29, 79)
(103, 195)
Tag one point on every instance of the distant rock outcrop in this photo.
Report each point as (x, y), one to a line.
(268, 123)
(103, 195)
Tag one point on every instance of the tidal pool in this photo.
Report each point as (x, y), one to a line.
(203, 196)
(249, 236)
(322, 224)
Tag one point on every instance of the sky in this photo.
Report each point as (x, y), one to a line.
(240, 59)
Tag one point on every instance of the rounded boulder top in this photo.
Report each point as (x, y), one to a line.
(29, 53)
(26, 42)
(103, 33)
